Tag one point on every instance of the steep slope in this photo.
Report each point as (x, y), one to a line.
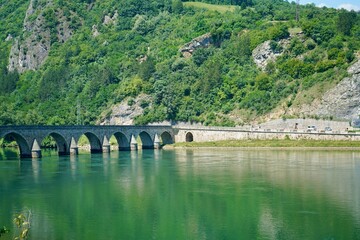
(74, 62)
(43, 25)
(342, 101)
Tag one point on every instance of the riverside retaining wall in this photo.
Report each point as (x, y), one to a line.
(206, 134)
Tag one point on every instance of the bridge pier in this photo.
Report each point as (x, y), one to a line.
(157, 143)
(106, 148)
(36, 150)
(74, 149)
(133, 144)
(36, 154)
(106, 145)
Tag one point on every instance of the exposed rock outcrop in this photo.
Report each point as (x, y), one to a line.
(8, 38)
(29, 51)
(108, 20)
(340, 102)
(201, 41)
(28, 54)
(124, 113)
(95, 31)
(343, 101)
(264, 54)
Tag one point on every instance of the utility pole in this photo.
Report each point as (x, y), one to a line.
(297, 17)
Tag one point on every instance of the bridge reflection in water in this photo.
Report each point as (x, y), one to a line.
(128, 138)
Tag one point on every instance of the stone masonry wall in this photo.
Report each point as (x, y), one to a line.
(206, 134)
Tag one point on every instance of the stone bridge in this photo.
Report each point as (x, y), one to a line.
(29, 138)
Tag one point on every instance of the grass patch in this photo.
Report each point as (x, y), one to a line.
(272, 143)
(211, 7)
(294, 31)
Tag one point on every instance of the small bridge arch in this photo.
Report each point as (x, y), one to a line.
(95, 142)
(166, 138)
(24, 145)
(62, 145)
(189, 137)
(122, 140)
(146, 140)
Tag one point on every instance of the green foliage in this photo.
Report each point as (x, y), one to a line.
(177, 6)
(147, 69)
(48, 142)
(296, 68)
(319, 31)
(324, 65)
(3, 230)
(256, 101)
(8, 81)
(296, 47)
(277, 33)
(87, 74)
(201, 55)
(275, 46)
(52, 83)
(22, 222)
(346, 21)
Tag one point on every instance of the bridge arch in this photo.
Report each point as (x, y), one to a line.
(166, 138)
(122, 140)
(189, 137)
(95, 143)
(24, 147)
(146, 140)
(62, 145)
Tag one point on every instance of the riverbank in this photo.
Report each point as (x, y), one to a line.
(274, 143)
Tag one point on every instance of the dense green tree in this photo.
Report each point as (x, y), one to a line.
(177, 6)
(346, 21)
(201, 55)
(8, 81)
(147, 68)
(53, 83)
(319, 31)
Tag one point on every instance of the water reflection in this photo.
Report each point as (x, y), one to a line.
(187, 194)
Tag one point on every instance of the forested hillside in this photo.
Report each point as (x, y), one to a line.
(71, 62)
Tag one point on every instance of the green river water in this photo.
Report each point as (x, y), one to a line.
(184, 194)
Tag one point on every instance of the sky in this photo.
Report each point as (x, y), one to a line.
(346, 4)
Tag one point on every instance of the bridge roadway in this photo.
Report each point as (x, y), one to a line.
(29, 138)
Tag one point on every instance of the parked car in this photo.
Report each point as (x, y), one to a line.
(328, 129)
(311, 128)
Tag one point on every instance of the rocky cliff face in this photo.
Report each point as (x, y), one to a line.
(340, 102)
(124, 113)
(263, 54)
(201, 41)
(343, 101)
(31, 49)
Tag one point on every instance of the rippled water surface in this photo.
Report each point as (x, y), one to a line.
(185, 194)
